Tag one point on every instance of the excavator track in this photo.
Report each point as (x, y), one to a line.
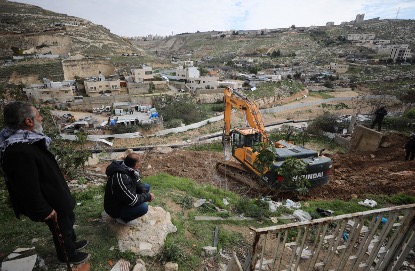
(237, 172)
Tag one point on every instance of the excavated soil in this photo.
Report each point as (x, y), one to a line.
(354, 175)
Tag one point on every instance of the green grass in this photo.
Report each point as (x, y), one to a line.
(324, 95)
(213, 146)
(183, 246)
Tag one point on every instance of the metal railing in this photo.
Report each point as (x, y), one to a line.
(372, 240)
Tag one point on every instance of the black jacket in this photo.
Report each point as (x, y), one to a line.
(35, 182)
(381, 113)
(410, 145)
(123, 188)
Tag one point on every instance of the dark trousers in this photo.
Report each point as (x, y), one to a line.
(129, 213)
(65, 223)
(409, 155)
(377, 121)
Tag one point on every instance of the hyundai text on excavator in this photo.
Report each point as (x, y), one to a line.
(240, 142)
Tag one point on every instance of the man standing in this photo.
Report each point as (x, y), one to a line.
(125, 196)
(380, 113)
(36, 186)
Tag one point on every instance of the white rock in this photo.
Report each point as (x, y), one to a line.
(148, 236)
(139, 266)
(22, 264)
(171, 266)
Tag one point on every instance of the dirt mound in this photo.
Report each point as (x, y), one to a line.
(357, 174)
(354, 174)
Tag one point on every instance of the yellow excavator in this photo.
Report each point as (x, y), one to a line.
(240, 142)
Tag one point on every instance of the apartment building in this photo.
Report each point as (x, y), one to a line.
(400, 52)
(394, 51)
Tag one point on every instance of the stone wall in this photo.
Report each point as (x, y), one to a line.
(214, 96)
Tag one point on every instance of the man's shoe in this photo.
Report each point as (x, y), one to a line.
(81, 244)
(129, 223)
(78, 258)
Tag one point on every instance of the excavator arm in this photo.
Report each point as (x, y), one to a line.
(250, 108)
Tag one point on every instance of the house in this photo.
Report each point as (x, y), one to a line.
(204, 82)
(184, 73)
(94, 88)
(234, 84)
(338, 68)
(41, 94)
(143, 74)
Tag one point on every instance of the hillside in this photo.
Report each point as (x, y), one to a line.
(35, 30)
(308, 44)
(27, 29)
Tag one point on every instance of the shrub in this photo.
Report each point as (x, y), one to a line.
(251, 207)
(410, 113)
(179, 107)
(398, 123)
(173, 123)
(217, 108)
(122, 129)
(325, 122)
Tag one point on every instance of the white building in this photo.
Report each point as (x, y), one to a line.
(143, 74)
(205, 82)
(234, 84)
(185, 73)
(95, 88)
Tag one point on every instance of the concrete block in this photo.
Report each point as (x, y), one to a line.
(365, 139)
(209, 251)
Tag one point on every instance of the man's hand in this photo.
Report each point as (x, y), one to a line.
(152, 197)
(53, 215)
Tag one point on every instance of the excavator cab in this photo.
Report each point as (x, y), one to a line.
(245, 137)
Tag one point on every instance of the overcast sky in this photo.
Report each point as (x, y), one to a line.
(167, 17)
